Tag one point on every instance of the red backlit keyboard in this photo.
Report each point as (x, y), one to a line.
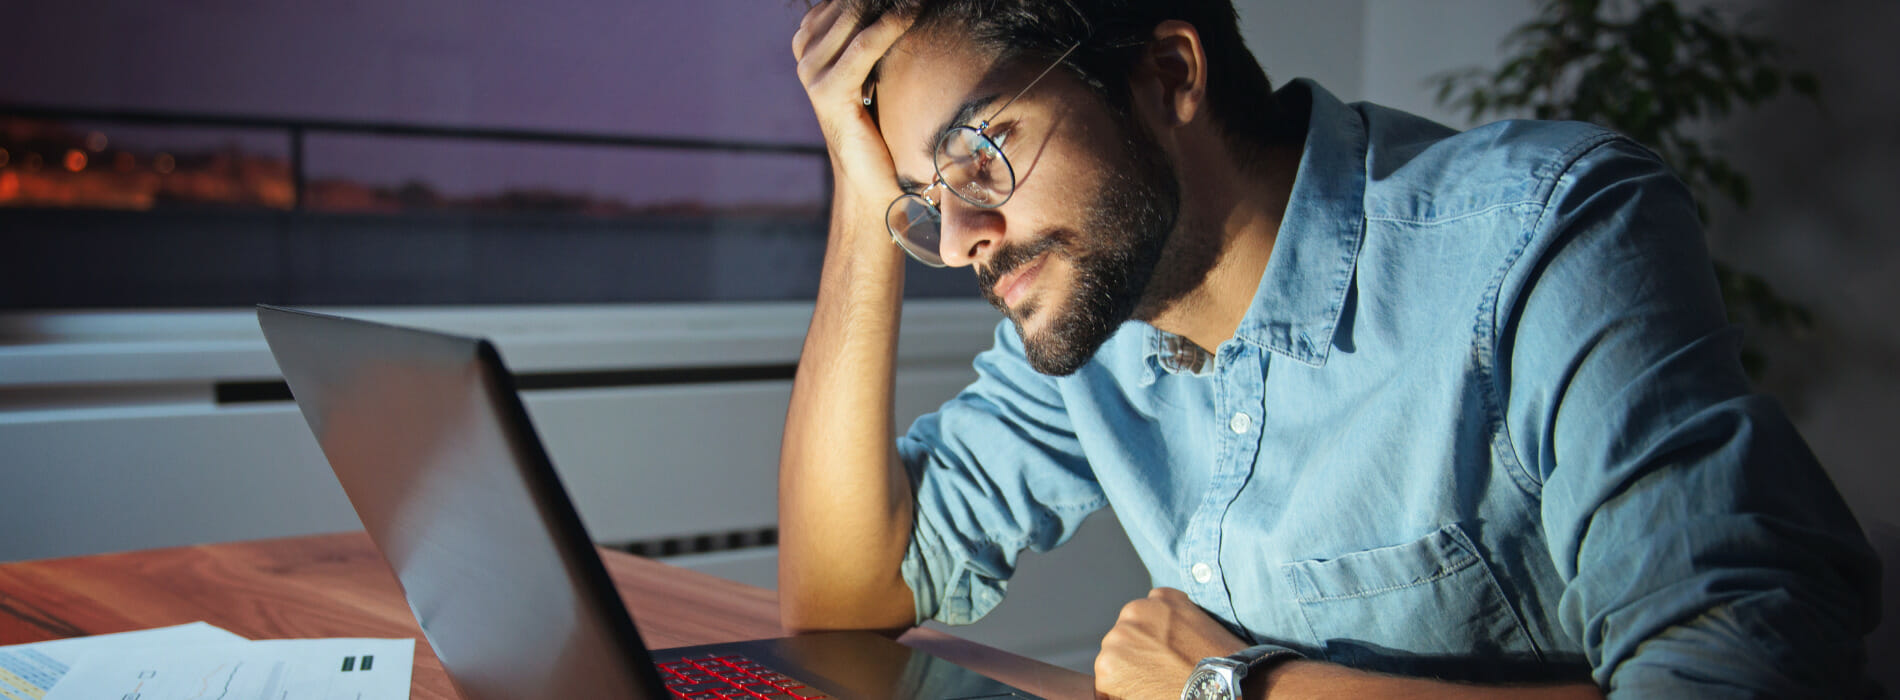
(731, 678)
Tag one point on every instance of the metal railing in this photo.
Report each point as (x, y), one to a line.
(298, 129)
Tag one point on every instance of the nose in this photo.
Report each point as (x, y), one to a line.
(970, 234)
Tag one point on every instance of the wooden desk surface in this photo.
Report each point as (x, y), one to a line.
(338, 586)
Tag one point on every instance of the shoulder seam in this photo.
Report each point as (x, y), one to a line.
(1487, 326)
(1454, 218)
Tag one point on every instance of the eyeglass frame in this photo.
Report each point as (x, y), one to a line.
(937, 166)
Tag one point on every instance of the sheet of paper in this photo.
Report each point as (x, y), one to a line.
(27, 671)
(279, 669)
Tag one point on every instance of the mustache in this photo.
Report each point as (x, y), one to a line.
(1010, 257)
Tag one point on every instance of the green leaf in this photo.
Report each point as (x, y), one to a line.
(1766, 83)
(1651, 70)
(1805, 85)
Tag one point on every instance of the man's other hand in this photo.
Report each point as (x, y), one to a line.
(1155, 644)
(1157, 641)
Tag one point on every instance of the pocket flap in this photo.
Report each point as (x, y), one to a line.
(1442, 553)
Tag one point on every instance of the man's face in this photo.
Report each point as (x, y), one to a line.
(1068, 257)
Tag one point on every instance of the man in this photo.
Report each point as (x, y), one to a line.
(1387, 410)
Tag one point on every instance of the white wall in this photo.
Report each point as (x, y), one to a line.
(1305, 39)
(1408, 42)
(110, 437)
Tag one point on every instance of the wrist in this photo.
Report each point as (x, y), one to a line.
(858, 216)
(1263, 685)
(1243, 675)
(870, 188)
(863, 268)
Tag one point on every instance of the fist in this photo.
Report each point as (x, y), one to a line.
(1155, 644)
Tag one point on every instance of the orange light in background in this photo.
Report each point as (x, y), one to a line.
(3, 157)
(33, 162)
(75, 160)
(123, 162)
(9, 185)
(95, 142)
(164, 164)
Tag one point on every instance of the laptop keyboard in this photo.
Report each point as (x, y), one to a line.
(714, 677)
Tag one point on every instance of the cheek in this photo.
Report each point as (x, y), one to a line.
(1063, 205)
(1059, 193)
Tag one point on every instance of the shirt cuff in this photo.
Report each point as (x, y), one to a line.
(923, 594)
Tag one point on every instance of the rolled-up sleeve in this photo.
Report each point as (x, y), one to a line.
(1704, 551)
(996, 470)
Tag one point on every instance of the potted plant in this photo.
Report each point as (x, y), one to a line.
(1660, 75)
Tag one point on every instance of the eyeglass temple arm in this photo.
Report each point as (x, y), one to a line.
(1032, 83)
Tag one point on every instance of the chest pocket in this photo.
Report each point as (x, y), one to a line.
(1427, 607)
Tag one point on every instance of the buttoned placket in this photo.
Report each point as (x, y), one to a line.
(1240, 379)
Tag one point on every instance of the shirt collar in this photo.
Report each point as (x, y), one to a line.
(1295, 311)
(1296, 308)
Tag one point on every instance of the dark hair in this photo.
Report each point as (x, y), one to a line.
(1111, 35)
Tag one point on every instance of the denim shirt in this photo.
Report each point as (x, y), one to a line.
(1484, 420)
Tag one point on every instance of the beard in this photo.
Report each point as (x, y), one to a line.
(1124, 237)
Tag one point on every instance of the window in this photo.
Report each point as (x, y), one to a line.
(493, 152)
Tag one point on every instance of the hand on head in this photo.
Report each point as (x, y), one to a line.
(835, 57)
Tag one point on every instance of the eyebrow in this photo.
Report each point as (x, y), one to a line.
(965, 112)
(963, 115)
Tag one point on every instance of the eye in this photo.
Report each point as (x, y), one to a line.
(1000, 134)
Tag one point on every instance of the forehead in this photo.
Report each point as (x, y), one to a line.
(922, 81)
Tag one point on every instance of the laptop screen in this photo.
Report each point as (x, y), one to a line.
(429, 440)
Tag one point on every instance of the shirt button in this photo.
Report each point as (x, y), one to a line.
(1203, 573)
(1240, 422)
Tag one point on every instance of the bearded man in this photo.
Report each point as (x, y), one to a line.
(1386, 409)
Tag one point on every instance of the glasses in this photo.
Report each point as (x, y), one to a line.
(970, 163)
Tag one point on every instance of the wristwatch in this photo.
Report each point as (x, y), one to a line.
(1218, 677)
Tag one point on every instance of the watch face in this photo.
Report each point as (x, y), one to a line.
(1205, 685)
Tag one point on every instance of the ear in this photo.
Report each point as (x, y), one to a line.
(1173, 69)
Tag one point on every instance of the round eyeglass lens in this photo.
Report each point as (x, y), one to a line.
(973, 166)
(914, 224)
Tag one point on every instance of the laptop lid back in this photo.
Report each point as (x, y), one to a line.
(433, 447)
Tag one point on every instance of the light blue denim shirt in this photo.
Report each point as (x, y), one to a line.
(1484, 420)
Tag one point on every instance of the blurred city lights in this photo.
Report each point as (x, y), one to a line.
(164, 164)
(9, 185)
(33, 162)
(96, 142)
(75, 160)
(3, 157)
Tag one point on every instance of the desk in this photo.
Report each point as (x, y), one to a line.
(338, 586)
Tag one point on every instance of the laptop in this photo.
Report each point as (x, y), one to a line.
(431, 443)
